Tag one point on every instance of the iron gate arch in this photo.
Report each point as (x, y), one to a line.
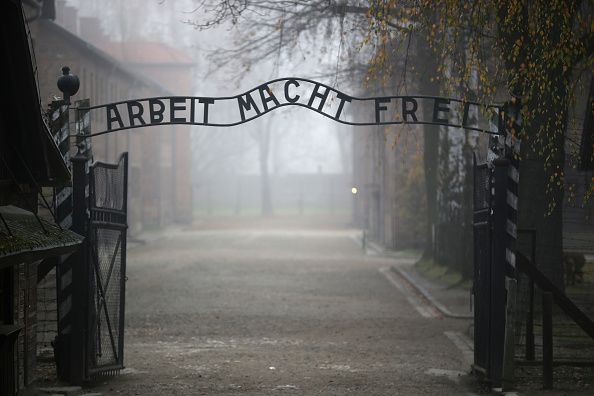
(106, 216)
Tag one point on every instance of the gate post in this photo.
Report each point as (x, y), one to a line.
(80, 220)
(498, 268)
(73, 273)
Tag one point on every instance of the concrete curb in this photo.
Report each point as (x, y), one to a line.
(436, 304)
(377, 249)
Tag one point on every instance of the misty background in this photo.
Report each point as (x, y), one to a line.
(304, 157)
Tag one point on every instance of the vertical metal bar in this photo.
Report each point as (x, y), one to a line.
(507, 379)
(547, 340)
(530, 323)
(530, 348)
(533, 240)
(530, 340)
(482, 267)
(123, 262)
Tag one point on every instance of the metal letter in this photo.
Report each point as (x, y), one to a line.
(111, 118)
(406, 111)
(206, 102)
(174, 102)
(287, 97)
(135, 115)
(156, 116)
(378, 108)
(246, 104)
(437, 107)
(317, 94)
(265, 89)
(343, 98)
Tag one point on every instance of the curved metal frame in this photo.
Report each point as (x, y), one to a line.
(308, 106)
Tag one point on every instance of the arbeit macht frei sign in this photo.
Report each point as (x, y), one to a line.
(345, 109)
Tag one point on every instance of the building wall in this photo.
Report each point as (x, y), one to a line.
(104, 80)
(388, 175)
(25, 314)
(47, 310)
(175, 139)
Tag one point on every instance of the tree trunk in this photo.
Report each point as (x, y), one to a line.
(541, 199)
(264, 150)
(428, 69)
(545, 94)
(468, 211)
(343, 138)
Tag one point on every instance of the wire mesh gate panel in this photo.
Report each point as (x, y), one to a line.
(107, 267)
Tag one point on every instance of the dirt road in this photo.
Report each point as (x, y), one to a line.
(279, 311)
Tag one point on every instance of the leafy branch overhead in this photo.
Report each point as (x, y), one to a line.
(485, 50)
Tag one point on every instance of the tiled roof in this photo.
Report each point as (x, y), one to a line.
(147, 52)
(28, 240)
(50, 27)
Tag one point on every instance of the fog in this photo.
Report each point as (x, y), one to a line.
(307, 156)
(313, 191)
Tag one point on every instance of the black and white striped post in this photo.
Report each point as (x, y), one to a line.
(498, 165)
(78, 264)
(513, 122)
(60, 127)
(504, 152)
(72, 212)
(503, 163)
(63, 202)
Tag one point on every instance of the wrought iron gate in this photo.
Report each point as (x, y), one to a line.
(107, 267)
(482, 266)
(494, 225)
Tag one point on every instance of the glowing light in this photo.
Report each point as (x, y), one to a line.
(354, 190)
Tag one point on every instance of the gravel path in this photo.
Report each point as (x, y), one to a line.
(278, 311)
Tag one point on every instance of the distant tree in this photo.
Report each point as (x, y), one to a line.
(273, 29)
(262, 136)
(278, 28)
(533, 52)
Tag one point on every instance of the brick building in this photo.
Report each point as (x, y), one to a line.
(29, 161)
(173, 70)
(160, 158)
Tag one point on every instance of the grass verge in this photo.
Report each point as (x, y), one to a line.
(435, 271)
